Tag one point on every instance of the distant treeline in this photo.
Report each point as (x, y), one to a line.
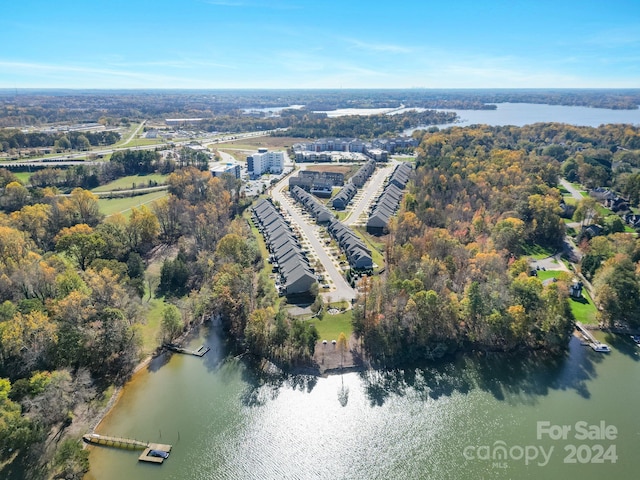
(38, 108)
(306, 124)
(11, 138)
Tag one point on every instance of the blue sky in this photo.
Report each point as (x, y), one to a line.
(319, 44)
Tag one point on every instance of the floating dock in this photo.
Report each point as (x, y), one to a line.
(129, 444)
(200, 352)
(145, 457)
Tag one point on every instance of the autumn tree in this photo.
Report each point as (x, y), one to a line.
(81, 243)
(342, 346)
(617, 290)
(171, 324)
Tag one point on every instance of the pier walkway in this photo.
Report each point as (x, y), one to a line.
(129, 444)
(200, 352)
(593, 342)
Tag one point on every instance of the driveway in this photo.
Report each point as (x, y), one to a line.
(369, 191)
(575, 193)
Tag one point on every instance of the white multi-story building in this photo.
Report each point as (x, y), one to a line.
(265, 161)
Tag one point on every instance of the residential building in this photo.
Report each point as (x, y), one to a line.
(389, 201)
(265, 161)
(288, 259)
(219, 169)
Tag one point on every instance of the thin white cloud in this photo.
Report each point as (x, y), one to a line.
(615, 37)
(378, 47)
(79, 76)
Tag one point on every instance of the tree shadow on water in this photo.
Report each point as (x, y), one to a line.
(264, 382)
(623, 344)
(159, 361)
(515, 379)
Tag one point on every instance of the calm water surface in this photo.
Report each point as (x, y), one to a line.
(520, 114)
(438, 422)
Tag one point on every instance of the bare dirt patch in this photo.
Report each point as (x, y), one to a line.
(344, 169)
(329, 359)
(264, 142)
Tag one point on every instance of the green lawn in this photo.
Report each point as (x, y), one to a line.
(330, 326)
(151, 328)
(132, 181)
(109, 206)
(605, 212)
(341, 215)
(547, 274)
(537, 252)
(376, 247)
(124, 136)
(23, 177)
(584, 309)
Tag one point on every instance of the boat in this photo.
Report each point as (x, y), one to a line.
(158, 454)
(636, 339)
(600, 347)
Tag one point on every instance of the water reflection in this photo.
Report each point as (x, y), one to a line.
(229, 418)
(343, 393)
(516, 380)
(624, 345)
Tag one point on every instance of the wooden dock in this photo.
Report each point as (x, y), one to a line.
(200, 352)
(129, 444)
(592, 341)
(116, 442)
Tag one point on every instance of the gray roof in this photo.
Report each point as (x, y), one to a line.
(294, 267)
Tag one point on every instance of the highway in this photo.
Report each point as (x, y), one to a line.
(53, 161)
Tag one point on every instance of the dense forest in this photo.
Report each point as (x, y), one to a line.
(456, 276)
(72, 308)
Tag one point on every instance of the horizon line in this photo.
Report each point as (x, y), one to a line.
(104, 89)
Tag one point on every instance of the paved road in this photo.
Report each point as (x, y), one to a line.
(135, 132)
(571, 189)
(343, 290)
(204, 140)
(370, 190)
(133, 190)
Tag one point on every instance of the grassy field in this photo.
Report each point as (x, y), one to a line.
(330, 326)
(344, 169)
(126, 183)
(151, 328)
(23, 177)
(239, 155)
(547, 274)
(584, 309)
(109, 206)
(124, 136)
(275, 143)
(537, 252)
(377, 247)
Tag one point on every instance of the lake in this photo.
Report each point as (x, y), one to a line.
(517, 114)
(477, 416)
(520, 114)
